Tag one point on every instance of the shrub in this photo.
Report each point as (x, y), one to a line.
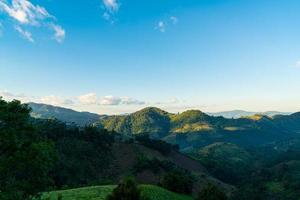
(126, 190)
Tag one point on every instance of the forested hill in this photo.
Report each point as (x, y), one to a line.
(189, 129)
(195, 128)
(45, 111)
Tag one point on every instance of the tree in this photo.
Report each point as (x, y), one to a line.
(126, 190)
(211, 192)
(25, 157)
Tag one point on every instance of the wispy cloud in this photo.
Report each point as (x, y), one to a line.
(25, 34)
(111, 7)
(24, 13)
(59, 33)
(298, 63)
(162, 25)
(174, 19)
(131, 101)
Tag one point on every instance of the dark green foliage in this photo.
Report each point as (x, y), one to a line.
(201, 129)
(149, 120)
(25, 157)
(179, 181)
(38, 154)
(83, 154)
(227, 162)
(211, 192)
(159, 145)
(126, 190)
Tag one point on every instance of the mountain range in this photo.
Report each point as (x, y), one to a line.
(241, 113)
(190, 129)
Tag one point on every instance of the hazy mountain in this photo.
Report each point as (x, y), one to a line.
(241, 113)
(44, 111)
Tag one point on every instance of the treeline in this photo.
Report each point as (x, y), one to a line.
(41, 155)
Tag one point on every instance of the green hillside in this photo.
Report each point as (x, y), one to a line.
(44, 111)
(194, 129)
(228, 162)
(101, 192)
(149, 120)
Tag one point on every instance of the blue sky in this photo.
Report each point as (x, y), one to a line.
(116, 56)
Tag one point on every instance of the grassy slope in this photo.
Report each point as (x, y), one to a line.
(100, 193)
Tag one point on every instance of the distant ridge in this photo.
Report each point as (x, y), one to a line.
(45, 111)
(241, 113)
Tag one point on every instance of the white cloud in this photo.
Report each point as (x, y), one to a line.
(25, 34)
(10, 95)
(110, 100)
(55, 100)
(113, 101)
(162, 25)
(111, 7)
(23, 12)
(298, 63)
(59, 33)
(88, 99)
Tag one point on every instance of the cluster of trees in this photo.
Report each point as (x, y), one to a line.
(127, 189)
(179, 181)
(37, 155)
(26, 157)
(82, 154)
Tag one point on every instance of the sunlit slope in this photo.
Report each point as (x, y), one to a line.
(101, 192)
